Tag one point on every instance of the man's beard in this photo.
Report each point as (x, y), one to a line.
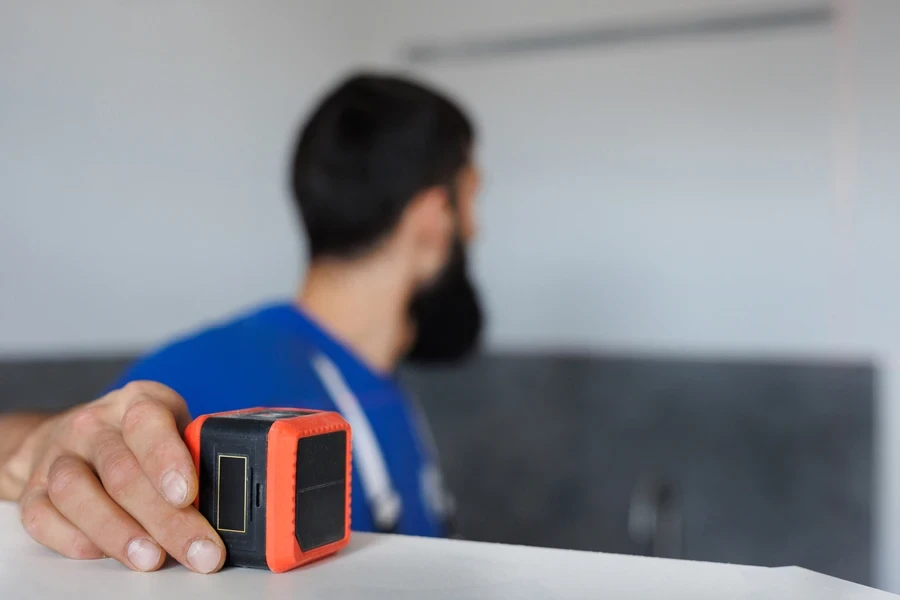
(447, 314)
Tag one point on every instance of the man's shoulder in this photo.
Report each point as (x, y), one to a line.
(222, 359)
(213, 341)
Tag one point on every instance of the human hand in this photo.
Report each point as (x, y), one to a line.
(113, 478)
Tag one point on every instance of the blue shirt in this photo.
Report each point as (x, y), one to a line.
(265, 358)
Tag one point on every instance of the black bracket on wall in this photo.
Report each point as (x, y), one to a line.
(655, 519)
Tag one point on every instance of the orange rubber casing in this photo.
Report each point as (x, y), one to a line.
(282, 547)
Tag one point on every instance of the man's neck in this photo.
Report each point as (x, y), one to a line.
(361, 305)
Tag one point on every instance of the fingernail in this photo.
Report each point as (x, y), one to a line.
(204, 556)
(174, 487)
(143, 554)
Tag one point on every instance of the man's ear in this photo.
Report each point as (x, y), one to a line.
(429, 216)
(427, 224)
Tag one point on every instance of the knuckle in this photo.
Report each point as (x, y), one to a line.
(140, 413)
(85, 422)
(135, 390)
(179, 531)
(34, 516)
(120, 472)
(17, 468)
(63, 477)
(111, 533)
(157, 459)
(81, 548)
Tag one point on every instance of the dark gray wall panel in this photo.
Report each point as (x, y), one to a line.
(772, 462)
(54, 384)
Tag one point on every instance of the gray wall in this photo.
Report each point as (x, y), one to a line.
(142, 162)
(672, 195)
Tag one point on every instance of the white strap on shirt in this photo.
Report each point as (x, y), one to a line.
(432, 480)
(384, 502)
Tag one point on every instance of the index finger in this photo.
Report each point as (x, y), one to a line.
(152, 423)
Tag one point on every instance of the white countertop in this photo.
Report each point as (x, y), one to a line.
(377, 567)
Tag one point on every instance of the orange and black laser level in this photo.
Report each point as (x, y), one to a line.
(274, 483)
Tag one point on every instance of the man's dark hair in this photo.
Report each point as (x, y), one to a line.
(368, 148)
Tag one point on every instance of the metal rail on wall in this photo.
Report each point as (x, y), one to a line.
(656, 30)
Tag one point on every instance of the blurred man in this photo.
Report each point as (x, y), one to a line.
(385, 183)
